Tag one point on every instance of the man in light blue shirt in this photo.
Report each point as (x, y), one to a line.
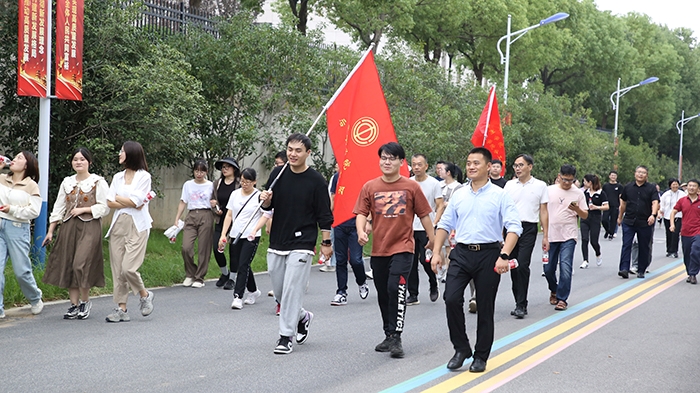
(478, 213)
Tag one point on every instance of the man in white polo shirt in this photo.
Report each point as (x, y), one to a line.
(530, 196)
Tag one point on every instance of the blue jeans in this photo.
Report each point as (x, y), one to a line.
(332, 261)
(691, 254)
(14, 242)
(563, 254)
(346, 240)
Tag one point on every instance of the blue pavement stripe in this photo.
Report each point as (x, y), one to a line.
(440, 371)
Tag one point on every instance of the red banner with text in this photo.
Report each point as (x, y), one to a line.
(31, 57)
(69, 49)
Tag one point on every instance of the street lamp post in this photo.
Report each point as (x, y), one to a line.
(616, 105)
(679, 126)
(505, 59)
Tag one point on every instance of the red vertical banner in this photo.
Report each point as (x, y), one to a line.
(31, 57)
(69, 49)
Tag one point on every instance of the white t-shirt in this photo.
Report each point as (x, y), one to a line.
(197, 196)
(432, 191)
(528, 197)
(235, 203)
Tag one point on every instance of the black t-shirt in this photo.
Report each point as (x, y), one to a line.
(501, 181)
(638, 199)
(301, 206)
(613, 192)
(223, 193)
(597, 198)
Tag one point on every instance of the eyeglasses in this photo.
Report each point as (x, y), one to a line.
(246, 182)
(388, 158)
(516, 166)
(563, 180)
(198, 171)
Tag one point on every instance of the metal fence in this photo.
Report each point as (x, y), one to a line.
(168, 17)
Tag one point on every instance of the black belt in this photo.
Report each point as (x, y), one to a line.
(483, 246)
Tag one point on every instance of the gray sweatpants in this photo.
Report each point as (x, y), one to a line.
(289, 275)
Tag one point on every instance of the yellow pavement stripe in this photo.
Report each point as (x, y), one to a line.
(466, 377)
(551, 350)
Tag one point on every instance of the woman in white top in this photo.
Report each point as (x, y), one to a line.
(128, 233)
(243, 209)
(668, 201)
(199, 225)
(76, 260)
(20, 202)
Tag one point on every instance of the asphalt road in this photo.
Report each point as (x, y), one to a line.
(617, 336)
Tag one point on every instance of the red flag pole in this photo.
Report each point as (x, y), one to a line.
(488, 114)
(323, 111)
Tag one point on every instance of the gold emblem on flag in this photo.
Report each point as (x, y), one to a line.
(365, 131)
(346, 163)
(341, 190)
(343, 122)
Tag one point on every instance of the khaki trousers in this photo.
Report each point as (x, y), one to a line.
(127, 249)
(199, 224)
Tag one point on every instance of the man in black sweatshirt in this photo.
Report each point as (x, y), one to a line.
(301, 205)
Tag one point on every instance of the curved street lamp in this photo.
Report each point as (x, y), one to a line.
(679, 126)
(505, 59)
(616, 105)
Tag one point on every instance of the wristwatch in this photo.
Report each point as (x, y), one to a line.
(504, 256)
(326, 242)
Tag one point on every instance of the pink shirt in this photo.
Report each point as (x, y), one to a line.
(563, 223)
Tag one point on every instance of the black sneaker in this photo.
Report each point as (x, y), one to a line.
(396, 348)
(303, 328)
(284, 345)
(72, 312)
(229, 284)
(434, 294)
(412, 301)
(384, 346)
(222, 280)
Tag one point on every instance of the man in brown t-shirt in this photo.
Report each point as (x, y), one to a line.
(392, 200)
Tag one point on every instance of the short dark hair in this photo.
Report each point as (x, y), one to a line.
(392, 148)
(484, 152)
(497, 161)
(200, 165)
(420, 155)
(643, 167)
(297, 137)
(440, 162)
(84, 152)
(568, 169)
(249, 174)
(281, 155)
(673, 180)
(32, 169)
(693, 181)
(525, 157)
(454, 171)
(135, 156)
(611, 172)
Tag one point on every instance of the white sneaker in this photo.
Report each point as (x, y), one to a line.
(2, 314)
(327, 268)
(584, 265)
(237, 303)
(599, 260)
(369, 275)
(271, 293)
(197, 284)
(188, 282)
(252, 296)
(36, 308)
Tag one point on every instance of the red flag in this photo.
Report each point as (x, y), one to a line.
(491, 137)
(69, 49)
(358, 124)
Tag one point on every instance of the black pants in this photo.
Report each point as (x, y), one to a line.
(241, 255)
(590, 230)
(390, 277)
(523, 253)
(672, 237)
(421, 239)
(610, 220)
(464, 266)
